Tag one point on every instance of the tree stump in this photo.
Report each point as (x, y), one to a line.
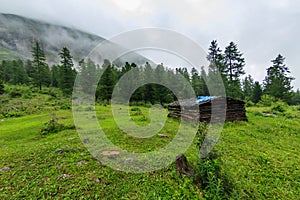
(183, 166)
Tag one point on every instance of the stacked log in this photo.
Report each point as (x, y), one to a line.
(217, 109)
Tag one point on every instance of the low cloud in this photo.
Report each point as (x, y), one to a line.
(262, 29)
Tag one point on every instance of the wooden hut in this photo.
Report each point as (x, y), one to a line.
(209, 109)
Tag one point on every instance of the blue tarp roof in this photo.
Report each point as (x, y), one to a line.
(204, 98)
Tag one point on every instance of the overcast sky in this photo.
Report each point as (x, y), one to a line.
(261, 28)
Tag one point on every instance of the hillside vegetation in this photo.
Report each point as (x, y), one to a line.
(260, 157)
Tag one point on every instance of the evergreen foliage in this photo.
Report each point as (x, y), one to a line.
(39, 71)
(278, 82)
(66, 72)
(224, 69)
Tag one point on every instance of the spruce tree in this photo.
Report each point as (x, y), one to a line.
(216, 78)
(203, 86)
(55, 76)
(19, 76)
(1, 87)
(88, 75)
(1, 81)
(215, 58)
(149, 89)
(277, 83)
(257, 92)
(248, 86)
(296, 98)
(107, 81)
(39, 71)
(6, 71)
(161, 77)
(196, 81)
(234, 69)
(67, 73)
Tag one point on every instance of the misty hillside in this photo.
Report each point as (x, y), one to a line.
(17, 35)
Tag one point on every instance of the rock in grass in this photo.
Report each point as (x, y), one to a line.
(129, 160)
(63, 176)
(96, 180)
(5, 169)
(81, 162)
(85, 141)
(163, 135)
(269, 115)
(60, 151)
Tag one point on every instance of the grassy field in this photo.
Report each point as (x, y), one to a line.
(261, 157)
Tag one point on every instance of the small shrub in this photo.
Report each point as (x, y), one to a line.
(209, 175)
(44, 91)
(89, 108)
(249, 104)
(135, 111)
(266, 100)
(143, 118)
(148, 105)
(52, 126)
(257, 113)
(27, 94)
(12, 114)
(279, 106)
(165, 106)
(1, 87)
(55, 93)
(15, 94)
(141, 103)
(65, 106)
(4, 100)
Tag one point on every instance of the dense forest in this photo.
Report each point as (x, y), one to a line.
(229, 64)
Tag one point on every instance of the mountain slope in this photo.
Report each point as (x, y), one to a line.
(17, 35)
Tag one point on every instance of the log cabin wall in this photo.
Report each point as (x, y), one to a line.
(235, 110)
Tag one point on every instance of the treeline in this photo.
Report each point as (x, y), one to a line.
(228, 64)
(36, 72)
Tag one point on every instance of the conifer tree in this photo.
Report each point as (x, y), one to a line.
(248, 87)
(107, 81)
(66, 72)
(196, 81)
(257, 92)
(39, 71)
(216, 78)
(234, 69)
(277, 83)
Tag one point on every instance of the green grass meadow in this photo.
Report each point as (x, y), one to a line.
(261, 157)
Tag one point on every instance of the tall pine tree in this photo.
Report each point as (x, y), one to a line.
(248, 87)
(1, 81)
(39, 71)
(66, 73)
(215, 58)
(107, 81)
(257, 92)
(234, 69)
(216, 77)
(277, 83)
(196, 81)
(88, 75)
